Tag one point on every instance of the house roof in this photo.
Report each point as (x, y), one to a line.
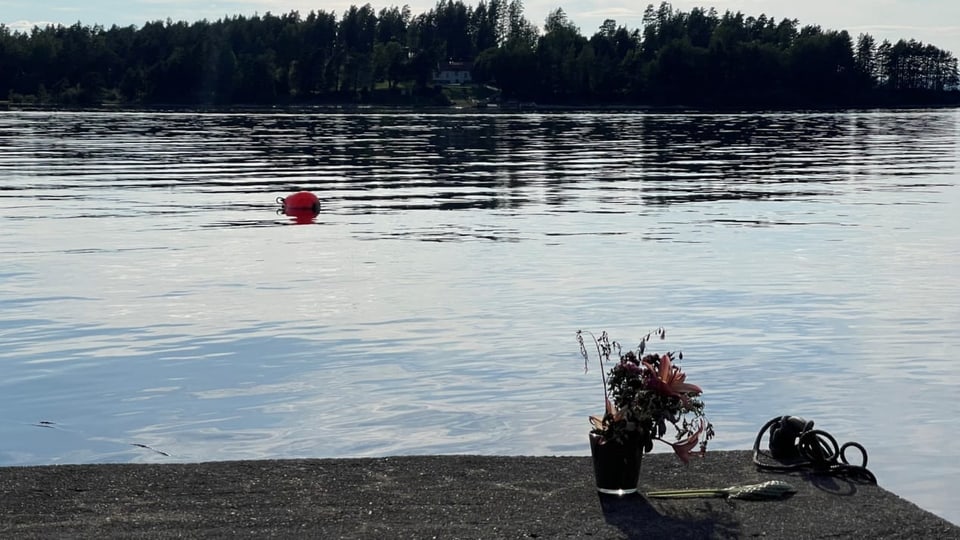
(455, 66)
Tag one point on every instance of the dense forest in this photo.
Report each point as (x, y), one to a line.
(696, 58)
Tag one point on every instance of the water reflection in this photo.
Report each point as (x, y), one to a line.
(371, 162)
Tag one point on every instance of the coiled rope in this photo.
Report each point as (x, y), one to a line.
(810, 450)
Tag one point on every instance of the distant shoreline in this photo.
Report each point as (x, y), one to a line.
(509, 109)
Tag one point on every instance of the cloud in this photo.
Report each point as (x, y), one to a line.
(26, 26)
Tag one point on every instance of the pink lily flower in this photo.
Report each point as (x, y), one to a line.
(670, 381)
(683, 448)
(597, 420)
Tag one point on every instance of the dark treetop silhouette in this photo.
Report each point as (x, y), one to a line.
(696, 58)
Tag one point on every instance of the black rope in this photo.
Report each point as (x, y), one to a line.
(809, 449)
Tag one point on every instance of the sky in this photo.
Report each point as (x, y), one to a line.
(935, 22)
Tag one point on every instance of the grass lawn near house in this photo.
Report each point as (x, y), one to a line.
(468, 95)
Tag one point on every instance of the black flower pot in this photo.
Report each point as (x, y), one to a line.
(616, 466)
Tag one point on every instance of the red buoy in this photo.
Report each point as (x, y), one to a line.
(303, 206)
(303, 200)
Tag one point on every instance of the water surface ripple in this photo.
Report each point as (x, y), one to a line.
(155, 308)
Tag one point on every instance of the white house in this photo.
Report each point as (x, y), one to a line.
(453, 73)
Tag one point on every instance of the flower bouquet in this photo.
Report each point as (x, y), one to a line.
(643, 394)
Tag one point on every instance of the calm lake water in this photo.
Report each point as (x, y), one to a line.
(154, 307)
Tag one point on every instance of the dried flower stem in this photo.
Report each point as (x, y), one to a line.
(586, 359)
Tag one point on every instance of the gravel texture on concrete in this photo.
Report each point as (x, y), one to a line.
(439, 497)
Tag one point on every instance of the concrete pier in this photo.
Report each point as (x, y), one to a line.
(439, 497)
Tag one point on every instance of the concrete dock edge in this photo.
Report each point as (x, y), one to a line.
(457, 496)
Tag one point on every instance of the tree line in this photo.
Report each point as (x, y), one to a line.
(697, 58)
